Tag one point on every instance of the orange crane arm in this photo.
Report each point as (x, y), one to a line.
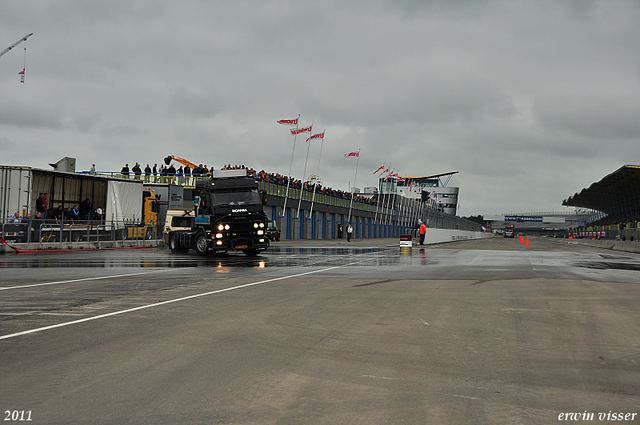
(181, 161)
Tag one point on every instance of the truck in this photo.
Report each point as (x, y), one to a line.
(509, 231)
(146, 228)
(229, 216)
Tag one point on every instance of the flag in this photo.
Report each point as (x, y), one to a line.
(289, 122)
(301, 130)
(317, 136)
(21, 73)
(393, 175)
(352, 154)
(381, 167)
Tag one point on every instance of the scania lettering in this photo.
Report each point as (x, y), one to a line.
(229, 216)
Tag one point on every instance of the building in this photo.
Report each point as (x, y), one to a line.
(441, 196)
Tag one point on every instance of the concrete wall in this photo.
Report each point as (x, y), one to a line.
(446, 235)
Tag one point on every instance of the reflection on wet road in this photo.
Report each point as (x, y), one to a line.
(288, 256)
(273, 257)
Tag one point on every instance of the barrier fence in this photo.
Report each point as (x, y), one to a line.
(41, 232)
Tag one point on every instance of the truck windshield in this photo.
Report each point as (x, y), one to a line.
(235, 198)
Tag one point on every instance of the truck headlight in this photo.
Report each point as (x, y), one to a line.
(261, 224)
(218, 242)
(255, 225)
(221, 227)
(260, 232)
(219, 235)
(227, 227)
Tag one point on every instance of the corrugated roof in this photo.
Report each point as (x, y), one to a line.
(615, 185)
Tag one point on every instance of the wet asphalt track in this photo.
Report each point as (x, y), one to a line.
(322, 332)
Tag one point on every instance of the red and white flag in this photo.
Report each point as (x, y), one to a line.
(317, 136)
(21, 73)
(393, 175)
(351, 154)
(301, 130)
(381, 167)
(289, 122)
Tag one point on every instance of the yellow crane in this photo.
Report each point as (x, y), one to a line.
(182, 161)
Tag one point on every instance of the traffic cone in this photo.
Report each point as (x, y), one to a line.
(527, 244)
(521, 239)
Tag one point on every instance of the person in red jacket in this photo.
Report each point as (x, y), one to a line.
(423, 232)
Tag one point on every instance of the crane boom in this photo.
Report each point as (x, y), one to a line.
(182, 161)
(16, 43)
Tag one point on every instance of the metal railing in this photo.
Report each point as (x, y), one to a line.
(50, 232)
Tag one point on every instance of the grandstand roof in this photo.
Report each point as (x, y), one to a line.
(430, 177)
(616, 187)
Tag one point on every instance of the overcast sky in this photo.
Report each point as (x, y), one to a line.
(530, 101)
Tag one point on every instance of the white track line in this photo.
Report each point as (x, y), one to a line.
(142, 307)
(6, 288)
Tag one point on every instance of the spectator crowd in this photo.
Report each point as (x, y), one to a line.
(261, 176)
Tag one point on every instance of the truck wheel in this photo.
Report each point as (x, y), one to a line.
(200, 244)
(174, 245)
(251, 252)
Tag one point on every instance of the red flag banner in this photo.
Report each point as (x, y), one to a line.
(351, 154)
(21, 73)
(381, 167)
(317, 136)
(301, 130)
(289, 122)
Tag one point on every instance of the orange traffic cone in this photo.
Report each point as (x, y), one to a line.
(521, 239)
(527, 244)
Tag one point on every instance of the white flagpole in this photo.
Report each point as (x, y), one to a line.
(286, 194)
(375, 220)
(392, 204)
(317, 176)
(388, 220)
(382, 219)
(304, 174)
(354, 187)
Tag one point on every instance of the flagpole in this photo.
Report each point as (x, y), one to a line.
(286, 194)
(375, 220)
(304, 173)
(392, 202)
(317, 176)
(382, 220)
(354, 187)
(388, 220)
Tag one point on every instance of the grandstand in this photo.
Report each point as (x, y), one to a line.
(614, 203)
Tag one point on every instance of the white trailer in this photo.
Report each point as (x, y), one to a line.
(113, 201)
